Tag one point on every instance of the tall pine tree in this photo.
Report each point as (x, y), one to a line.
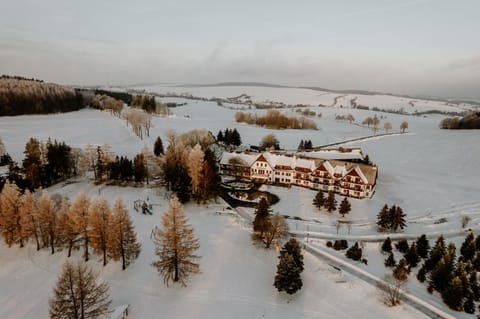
(345, 207)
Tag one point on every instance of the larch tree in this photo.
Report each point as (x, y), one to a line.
(48, 220)
(100, 219)
(78, 294)
(68, 230)
(10, 204)
(123, 243)
(81, 220)
(195, 167)
(175, 245)
(29, 219)
(345, 207)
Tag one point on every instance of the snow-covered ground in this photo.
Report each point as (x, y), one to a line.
(236, 279)
(295, 96)
(431, 173)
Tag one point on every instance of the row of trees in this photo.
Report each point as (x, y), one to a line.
(305, 145)
(107, 103)
(229, 137)
(391, 219)
(330, 203)
(276, 120)
(469, 121)
(55, 223)
(25, 96)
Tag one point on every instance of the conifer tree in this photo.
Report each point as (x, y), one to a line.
(10, 204)
(423, 246)
(288, 275)
(436, 254)
(397, 218)
(100, 219)
(175, 245)
(301, 145)
(81, 220)
(345, 207)
(292, 247)
(220, 137)
(411, 256)
(319, 199)
(383, 218)
(422, 274)
(474, 285)
(390, 261)
(79, 295)
(158, 147)
(260, 223)
(402, 246)
(123, 242)
(401, 270)
(469, 304)
(32, 163)
(68, 231)
(209, 184)
(467, 250)
(387, 245)
(29, 219)
(48, 221)
(441, 275)
(452, 295)
(331, 202)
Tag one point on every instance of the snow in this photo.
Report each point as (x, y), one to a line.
(235, 281)
(431, 173)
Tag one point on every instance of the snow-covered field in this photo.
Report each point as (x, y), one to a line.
(430, 173)
(295, 96)
(236, 279)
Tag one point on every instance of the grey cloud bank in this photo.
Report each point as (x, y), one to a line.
(413, 47)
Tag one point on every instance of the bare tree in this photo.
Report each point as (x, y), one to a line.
(387, 126)
(390, 290)
(375, 122)
(175, 245)
(78, 294)
(276, 229)
(403, 126)
(368, 121)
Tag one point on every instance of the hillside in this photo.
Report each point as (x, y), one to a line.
(28, 96)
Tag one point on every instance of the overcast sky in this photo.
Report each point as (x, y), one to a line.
(414, 47)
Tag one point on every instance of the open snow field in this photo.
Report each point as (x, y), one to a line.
(236, 279)
(295, 96)
(431, 173)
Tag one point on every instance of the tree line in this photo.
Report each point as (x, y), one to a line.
(55, 223)
(468, 122)
(274, 119)
(26, 96)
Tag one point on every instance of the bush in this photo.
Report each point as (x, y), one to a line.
(340, 244)
(329, 244)
(354, 252)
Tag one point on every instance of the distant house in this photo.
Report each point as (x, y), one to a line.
(344, 177)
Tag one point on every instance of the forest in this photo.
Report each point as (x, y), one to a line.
(28, 96)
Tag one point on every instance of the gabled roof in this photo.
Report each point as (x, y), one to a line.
(247, 158)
